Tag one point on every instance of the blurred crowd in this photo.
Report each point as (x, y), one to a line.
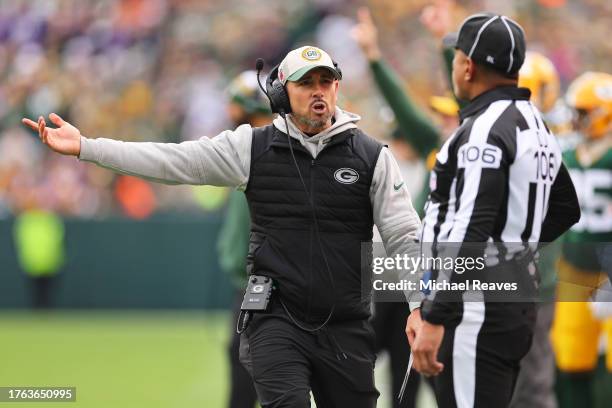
(157, 70)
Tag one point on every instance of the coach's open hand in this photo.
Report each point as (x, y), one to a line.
(424, 339)
(66, 139)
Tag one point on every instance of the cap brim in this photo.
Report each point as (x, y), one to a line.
(297, 75)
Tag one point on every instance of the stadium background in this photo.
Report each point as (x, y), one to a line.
(141, 303)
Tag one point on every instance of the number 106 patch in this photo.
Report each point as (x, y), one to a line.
(484, 156)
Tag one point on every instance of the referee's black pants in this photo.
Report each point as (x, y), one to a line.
(286, 362)
(481, 352)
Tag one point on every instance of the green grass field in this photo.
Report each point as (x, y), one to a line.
(124, 358)
(118, 359)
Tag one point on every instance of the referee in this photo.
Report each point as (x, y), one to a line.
(499, 178)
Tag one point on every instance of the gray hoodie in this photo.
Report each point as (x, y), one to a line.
(225, 160)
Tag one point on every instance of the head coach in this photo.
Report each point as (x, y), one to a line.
(315, 185)
(499, 178)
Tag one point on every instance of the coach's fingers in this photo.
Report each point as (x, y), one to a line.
(41, 128)
(43, 132)
(30, 123)
(57, 121)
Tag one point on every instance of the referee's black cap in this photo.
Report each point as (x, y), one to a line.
(493, 40)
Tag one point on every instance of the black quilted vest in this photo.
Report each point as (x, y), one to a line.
(284, 243)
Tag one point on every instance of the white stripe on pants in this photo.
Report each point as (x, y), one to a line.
(464, 353)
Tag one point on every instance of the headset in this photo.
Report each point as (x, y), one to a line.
(275, 90)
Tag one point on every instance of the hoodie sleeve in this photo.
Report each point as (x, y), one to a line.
(394, 215)
(223, 160)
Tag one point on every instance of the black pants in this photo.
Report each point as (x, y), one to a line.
(481, 353)
(286, 363)
(389, 324)
(242, 391)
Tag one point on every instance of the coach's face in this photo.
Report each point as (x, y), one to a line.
(313, 100)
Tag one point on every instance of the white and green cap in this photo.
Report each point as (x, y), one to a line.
(301, 60)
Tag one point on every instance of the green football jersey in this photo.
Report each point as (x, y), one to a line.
(594, 188)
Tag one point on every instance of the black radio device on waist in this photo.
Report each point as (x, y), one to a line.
(256, 299)
(257, 294)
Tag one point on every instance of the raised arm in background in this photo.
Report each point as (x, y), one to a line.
(437, 19)
(417, 127)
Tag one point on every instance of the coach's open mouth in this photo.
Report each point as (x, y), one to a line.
(319, 107)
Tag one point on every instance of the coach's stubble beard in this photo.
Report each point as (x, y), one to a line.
(312, 126)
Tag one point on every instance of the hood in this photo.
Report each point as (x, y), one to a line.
(343, 120)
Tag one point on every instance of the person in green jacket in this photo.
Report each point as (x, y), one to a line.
(247, 105)
(418, 127)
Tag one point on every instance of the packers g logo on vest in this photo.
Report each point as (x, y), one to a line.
(346, 175)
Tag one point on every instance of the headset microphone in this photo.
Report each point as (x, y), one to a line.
(274, 90)
(259, 64)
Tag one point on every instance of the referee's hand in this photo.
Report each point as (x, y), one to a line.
(66, 139)
(425, 345)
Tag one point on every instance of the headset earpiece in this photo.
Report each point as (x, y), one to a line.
(338, 70)
(279, 99)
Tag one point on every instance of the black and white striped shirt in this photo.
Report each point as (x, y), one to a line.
(499, 177)
(494, 177)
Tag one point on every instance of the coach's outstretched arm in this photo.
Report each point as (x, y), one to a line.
(221, 161)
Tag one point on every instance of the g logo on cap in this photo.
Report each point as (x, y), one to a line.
(311, 54)
(346, 175)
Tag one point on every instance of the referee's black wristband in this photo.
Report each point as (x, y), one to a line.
(437, 312)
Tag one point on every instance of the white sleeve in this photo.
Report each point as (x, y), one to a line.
(220, 161)
(397, 221)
